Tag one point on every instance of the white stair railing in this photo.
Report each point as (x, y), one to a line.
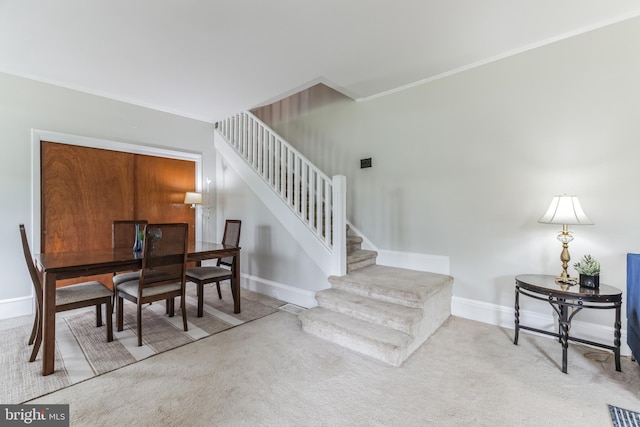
(317, 200)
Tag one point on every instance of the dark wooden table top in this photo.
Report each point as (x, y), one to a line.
(546, 284)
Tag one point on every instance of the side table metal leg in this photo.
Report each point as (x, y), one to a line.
(564, 335)
(517, 317)
(565, 345)
(561, 315)
(616, 341)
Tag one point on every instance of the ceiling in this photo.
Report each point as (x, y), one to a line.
(209, 59)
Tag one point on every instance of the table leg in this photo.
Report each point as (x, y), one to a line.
(517, 316)
(200, 295)
(564, 335)
(561, 315)
(616, 341)
(235, 283)
(49, 324)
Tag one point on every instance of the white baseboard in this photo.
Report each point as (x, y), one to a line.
(290, 294)
(503, 316)
(16, 307)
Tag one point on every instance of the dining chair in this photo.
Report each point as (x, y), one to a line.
(162, 277)
(70, 297)
(222, 270)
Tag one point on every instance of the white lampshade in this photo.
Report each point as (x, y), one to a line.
(191, 198)
(565, 210)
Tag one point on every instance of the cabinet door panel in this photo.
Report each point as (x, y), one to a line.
(160, 185)
(83, 191)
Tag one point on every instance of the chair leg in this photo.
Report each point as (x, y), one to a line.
(171, 303)
(36, 344)
(219, 293)
(183, 308)
(113, 299)
(119, 314)
(34, 330)
(98, 315)
(139, 321)
(109, 311)
(200, 292)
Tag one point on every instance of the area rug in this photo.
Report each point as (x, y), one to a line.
(82, 351)
(623, 417)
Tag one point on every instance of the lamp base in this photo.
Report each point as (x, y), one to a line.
(566, 280)
(565, 237)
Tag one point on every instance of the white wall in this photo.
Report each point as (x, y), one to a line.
(27, 105)
(465, 166)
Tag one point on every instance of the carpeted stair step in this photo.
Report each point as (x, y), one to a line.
(354, 243)
(399, 317)
(383, 312)
(376, 341)
(410, 288)
(359, 259)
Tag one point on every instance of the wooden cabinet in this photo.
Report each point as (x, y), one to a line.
(84, 189)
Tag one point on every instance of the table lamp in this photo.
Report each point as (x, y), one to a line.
(565, 210)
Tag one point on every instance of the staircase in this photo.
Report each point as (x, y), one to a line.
(310, 204)
(382, 312)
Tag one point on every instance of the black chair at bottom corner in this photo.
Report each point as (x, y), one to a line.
(71, 297)
(221, 271)
(162, 277)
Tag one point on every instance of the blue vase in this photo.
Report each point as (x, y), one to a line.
(137, 245)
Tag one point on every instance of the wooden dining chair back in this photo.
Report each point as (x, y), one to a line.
(71, 297)
(230, 237)
(164, 258)
(222, 270)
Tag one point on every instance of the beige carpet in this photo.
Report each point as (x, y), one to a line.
(270, 373)
(82, 351)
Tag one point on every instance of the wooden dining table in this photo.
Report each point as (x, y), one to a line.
(67, 265)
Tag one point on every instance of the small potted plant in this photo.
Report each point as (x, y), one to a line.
(589, 269)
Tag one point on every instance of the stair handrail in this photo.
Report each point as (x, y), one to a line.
(317, 200)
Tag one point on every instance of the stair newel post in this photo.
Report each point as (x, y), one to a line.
(339, 227)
